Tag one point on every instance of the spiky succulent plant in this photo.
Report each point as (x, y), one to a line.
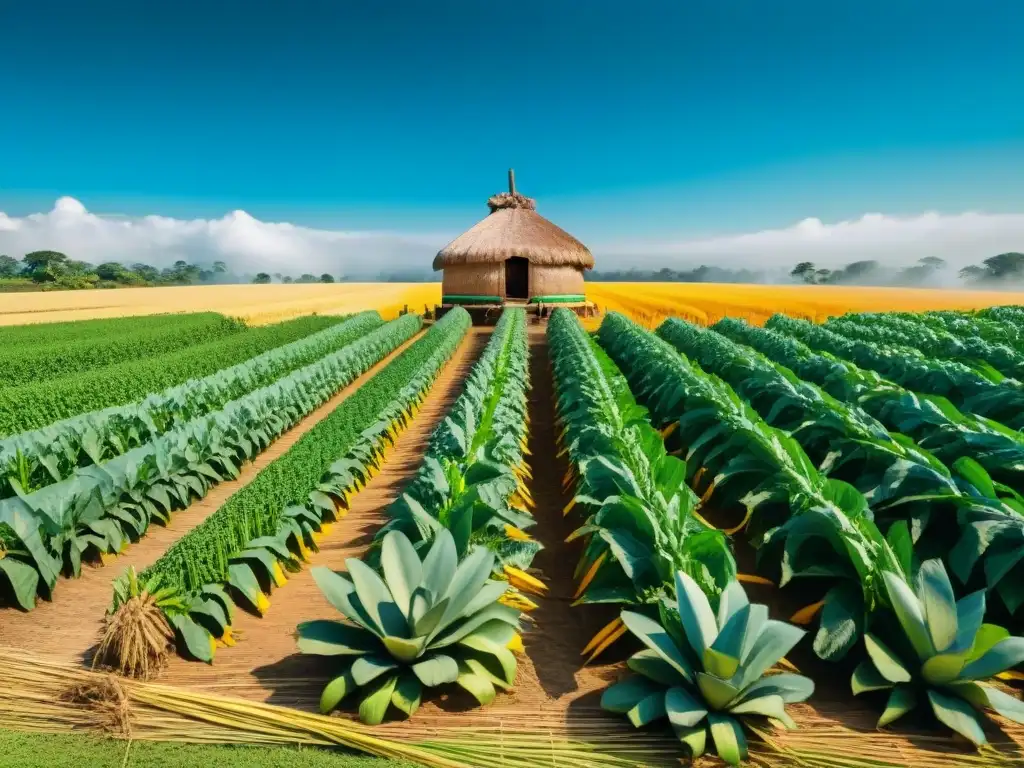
(706, 672)
(938, 650)
(425, 623)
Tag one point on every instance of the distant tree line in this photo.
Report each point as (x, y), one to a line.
(53, 270)
(992, 272)
(702, 274)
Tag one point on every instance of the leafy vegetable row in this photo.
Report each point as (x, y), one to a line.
(99, 509)
(641, 523)
(241, 551)
(33, 460)
(968, 389)
(35, 405)
(921, 643)
(50, 360)
(72, 331)
(883, 328)
(987, 532)
(472, 479)
(437, 614)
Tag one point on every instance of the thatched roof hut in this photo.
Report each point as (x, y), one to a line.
(515, 255)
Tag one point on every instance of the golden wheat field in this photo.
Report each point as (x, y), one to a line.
(647, 303)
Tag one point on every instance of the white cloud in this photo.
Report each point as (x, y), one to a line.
(960, 239)
(247, 244)
(250, 245)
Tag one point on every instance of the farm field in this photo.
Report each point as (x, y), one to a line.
(621, 543)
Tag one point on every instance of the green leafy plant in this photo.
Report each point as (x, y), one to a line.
(427, 622)
(705, 671)
(939, 651)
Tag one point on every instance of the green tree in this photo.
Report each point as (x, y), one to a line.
(111, 270)
(146, 272)
(804, 271)
(262, 277)
(306, 278)
(9, 266)
(326, 278)
(220, 267)
(286, 279)
(45, 266)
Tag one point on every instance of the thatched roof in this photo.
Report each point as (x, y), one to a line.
(514, 228)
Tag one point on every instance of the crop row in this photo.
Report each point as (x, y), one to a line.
(35, 405)
(921, 643)
(269, 526)
(965, 387)
(993, 360)
(431, 604)
(33, 460)
(99, 509)
(69, 332)
(45, 361)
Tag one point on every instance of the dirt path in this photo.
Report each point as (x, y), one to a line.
(264, 663)
(70, 625)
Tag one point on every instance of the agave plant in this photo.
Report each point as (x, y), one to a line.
(426, 623)
(706, 672)
(941, 652)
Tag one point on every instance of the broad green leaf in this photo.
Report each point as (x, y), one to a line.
(717, 693)
(1004, 655)
(647, 710)
(939, 603)
(481, 688)
(730, 742)
(694, 738)
(885, 661)
(909, 612)
(365, 669)
(654, 636)
(958, 715)
(436, 670)
(23, 580)
(374, 707)
(683, 709)
(402, 568)
(405, 650)
(943, 668)
(376, 599)
(622, 696)
(651, 665)
(197, 641)
(768, 706)
(335, 691)
(901, 701)
(775, 641)
(407, 694)
(695, 613)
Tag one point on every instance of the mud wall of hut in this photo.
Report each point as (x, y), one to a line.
(555, 280)
(474, 280)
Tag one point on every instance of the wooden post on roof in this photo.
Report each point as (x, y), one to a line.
(511, 181)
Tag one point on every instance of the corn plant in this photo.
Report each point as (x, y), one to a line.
(968, 389)
(34, 405)
(641, 524)
(149, 482)
(472, 480)
(430, 621)
(273, 524)
(704, 670)
(32, 460)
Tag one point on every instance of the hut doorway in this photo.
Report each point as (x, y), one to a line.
(517, 278)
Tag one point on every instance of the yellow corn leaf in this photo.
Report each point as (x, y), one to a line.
(106, 558)
(213, 646)
(569, 507)
(707, 493)
(697, 477)
(700, 519)
(277, 573)
(590, 574)
(326, 528)
(669, 429)
(606, 643)
(742, 524)
(807, 613)
(515, 534)
(523, 581)
(602, 633)
(562, 452)
(787, 664)
(227, 638)
(262, 603)
(1011, 675)
(516, 644)
(749, 578)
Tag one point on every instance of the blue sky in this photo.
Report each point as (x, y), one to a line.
(688, 118)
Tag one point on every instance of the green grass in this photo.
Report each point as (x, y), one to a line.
(78, 751)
